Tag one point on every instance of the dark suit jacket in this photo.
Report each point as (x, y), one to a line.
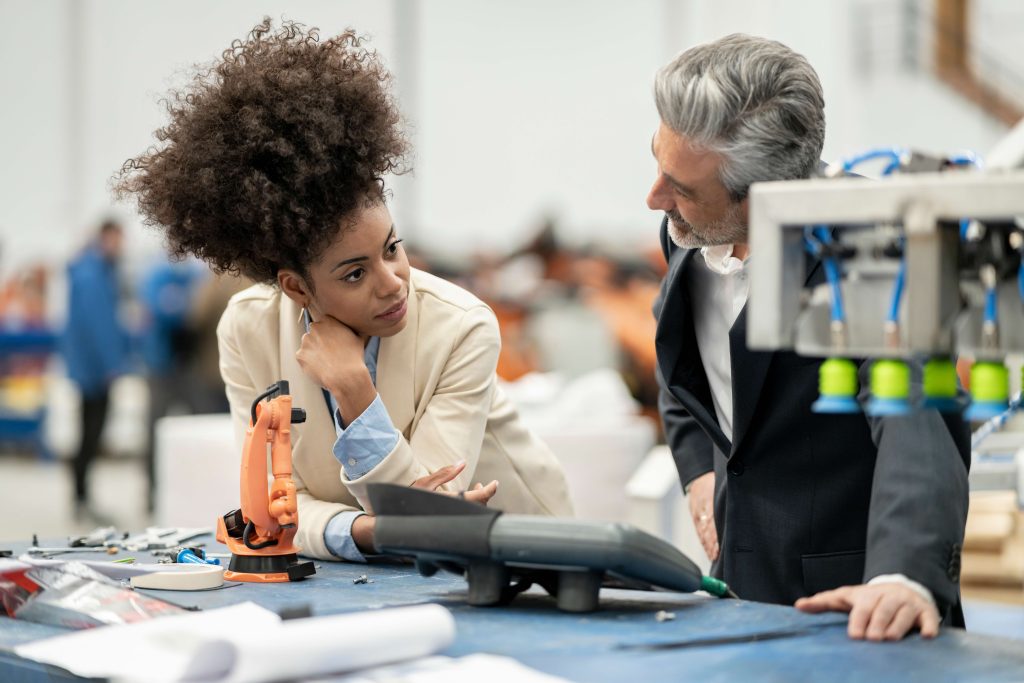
(807, 502)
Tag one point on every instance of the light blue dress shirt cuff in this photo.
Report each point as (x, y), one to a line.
(338, 536)
(366, 441)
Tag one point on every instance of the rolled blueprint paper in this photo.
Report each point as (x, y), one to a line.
(325, 645)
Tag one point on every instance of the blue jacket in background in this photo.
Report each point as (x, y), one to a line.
(166, 292)
(95, 345)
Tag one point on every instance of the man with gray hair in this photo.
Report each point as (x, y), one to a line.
(832, 512)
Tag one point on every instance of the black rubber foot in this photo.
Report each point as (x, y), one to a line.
(578, 590)
(487, 582)
(272, 564)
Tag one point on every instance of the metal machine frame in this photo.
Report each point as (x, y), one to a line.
(940, 315)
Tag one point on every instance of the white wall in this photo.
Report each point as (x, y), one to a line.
(532, 107)
(995, 28)
(517, 108)
(34, 134)
(88, 75)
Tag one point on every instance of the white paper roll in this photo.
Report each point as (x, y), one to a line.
(324, 645)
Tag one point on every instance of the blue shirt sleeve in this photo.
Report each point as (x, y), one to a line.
(338, 536)
(364, 443)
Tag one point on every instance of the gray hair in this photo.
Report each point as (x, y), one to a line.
(753, 101)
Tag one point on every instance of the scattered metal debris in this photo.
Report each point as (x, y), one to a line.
(362, 579)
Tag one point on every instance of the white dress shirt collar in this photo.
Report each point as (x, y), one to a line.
(720, 260)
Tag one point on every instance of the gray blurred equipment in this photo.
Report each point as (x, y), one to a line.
(915, 218)
(924, 265)
(939, 232)
(502, 555)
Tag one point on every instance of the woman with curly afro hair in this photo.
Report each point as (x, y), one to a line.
(273, 166)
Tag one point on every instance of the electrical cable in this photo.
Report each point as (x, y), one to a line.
(817, 240)
(271, 390)
(897, 291)
(995, 424)
(991, 305)
(894, 154)
(1020, 278)
(967, 158)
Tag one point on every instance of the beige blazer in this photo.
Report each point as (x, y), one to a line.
(437, 380)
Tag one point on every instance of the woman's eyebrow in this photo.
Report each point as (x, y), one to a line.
(357, 259)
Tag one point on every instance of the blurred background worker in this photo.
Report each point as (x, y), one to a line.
(181, 302)
(95, 345)
(167, 343)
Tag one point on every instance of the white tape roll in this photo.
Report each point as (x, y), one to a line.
(182, 577)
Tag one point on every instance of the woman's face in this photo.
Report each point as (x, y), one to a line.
(362, 278)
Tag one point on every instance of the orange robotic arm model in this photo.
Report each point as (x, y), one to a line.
(261, 534)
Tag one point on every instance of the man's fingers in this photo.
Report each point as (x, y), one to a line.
(712, 543)
(704, 523)
(860, 615)
(902, 621)
(709, 540)
(929, 622)
(882, 616)
(708, 549)
(882, 612)
(827, 601)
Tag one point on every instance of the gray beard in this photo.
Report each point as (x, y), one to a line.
(729, 230)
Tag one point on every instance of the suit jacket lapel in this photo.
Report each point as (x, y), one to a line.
(679, 358)
(749, 368)
(396, 368)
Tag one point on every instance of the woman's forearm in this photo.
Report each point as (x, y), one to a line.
(362, 533)
(353, 392)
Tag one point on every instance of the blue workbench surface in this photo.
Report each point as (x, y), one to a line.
(621, 641)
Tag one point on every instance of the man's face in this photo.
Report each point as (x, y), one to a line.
(688, 189)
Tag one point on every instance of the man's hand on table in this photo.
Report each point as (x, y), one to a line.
(881, 611)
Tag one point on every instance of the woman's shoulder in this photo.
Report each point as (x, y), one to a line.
(449, 307)
(253, 308)
(437, 293)
(257, 292)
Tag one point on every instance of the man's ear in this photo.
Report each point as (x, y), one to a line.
(294, 287)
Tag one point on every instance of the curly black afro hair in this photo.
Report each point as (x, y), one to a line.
(269, 150)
